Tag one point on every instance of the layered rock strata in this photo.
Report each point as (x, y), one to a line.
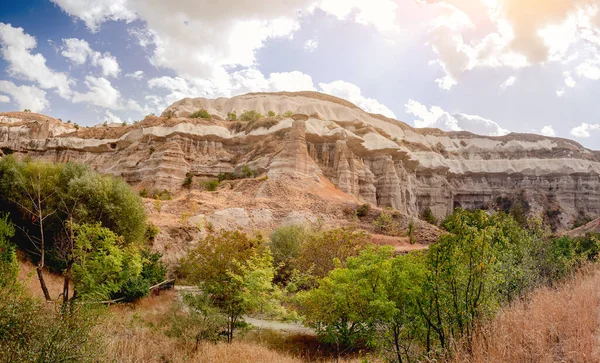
(371, 158)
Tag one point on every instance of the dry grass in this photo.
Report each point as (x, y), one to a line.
(29, 279)
(553, 325)
(136, 333)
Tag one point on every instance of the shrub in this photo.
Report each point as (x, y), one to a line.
(151, 232)
(318, 252)
(427, 216)
(250, 116)
(285, 243)
(247, 172)
(26, 110)
(9, 266)
(288, 114)
(201, 113)
(187, 182)
(385, 224)
(144, 193)
(232, 116)
(363, 210)
(210, 185)
(271, 114)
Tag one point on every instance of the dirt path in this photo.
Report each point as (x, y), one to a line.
(294, 328)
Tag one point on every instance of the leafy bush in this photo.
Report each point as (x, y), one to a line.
(235, 273)
(232, 116)
(9, 266)
(363, 210)
(201, 113)
(285, 243)
(250, 116)
(187, 182)
(247, 172)
(30, 331)
(318, 252)
(427, 216)
(210, 185)
(151, 232)
(271, 114)
(385, 224)
(288, 114)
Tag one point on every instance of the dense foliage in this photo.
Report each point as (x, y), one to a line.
(89, 227)
(420, 305)
(235, 275)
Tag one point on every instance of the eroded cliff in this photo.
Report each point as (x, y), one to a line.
(323, 139)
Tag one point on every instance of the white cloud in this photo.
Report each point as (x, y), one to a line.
(29, 97)
(352, 93)
(206, 41)
(16, 50)
(378, 13)
(569, 81)
(135, 75)
(94, 13)
(102, 93)
(508, 83)
(548, 130)
(78, 51)
(311, 45)
(4, 99)
(110, 117)
(439, 118)
(583, 130)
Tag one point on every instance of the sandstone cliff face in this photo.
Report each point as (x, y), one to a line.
(369, 157)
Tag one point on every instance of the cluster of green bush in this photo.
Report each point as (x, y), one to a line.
(90, 228)
(417, 306)
(245, 173)
(156, 194)
(355, 295)
(240, 275)
(201, 113)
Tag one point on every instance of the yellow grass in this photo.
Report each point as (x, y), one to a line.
(553, 325)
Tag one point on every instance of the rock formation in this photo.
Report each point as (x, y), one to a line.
(371, 158)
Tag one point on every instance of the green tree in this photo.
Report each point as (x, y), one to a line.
(319, 251)
(285, 243)
(350, 300)
(235, 272)
(9, 266)
(102, 265)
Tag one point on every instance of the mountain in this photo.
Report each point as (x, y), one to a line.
(321, 151)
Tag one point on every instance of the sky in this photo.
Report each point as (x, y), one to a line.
(487, 66)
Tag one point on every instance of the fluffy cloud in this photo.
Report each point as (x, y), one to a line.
(583, 130)
(110, 118)
(78, 51)
(94, 13)
(311, 45)
(101, 93)
(516, 39)
(439, 118)
(4, 99)
(508, 83)
(203, 41)
(135, 75)
(16, 50)
(352, 93)
(29, 97)
(548, 130)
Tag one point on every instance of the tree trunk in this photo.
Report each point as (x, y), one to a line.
(40, 274)
(40, 266)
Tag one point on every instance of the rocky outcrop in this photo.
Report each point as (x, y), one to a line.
(371, 158)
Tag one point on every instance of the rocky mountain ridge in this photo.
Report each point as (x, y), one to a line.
(324, 139)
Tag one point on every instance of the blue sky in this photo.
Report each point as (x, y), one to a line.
(486, 66)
